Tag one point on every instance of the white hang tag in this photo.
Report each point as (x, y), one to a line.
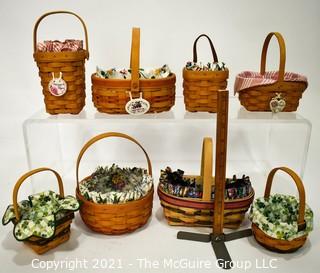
(57, 86)
(137, 106)
(277, 103)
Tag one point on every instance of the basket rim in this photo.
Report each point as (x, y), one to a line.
(82, 199)
(226, 71)
(256, 227)
(198, 203)
(241, 76)
(68, 55)
(97, 79)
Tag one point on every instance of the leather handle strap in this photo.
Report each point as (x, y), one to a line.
(282, 47)
(107, 135)
(23, 178)
(195, 55)
(299, 184)
(135, 59)
(35, 30)
(206, 167)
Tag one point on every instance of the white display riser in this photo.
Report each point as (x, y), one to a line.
(257, 142)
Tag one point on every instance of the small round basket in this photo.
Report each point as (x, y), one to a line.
(281, 223)
(114, 219)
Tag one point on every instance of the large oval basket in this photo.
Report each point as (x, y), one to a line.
(114, 219)
(111, 95)
(182, 211)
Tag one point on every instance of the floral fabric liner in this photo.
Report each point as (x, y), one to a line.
(114, 185)
(39, 214)
(175, 183)
(59, 46)
(277, 216)
(113, 73)
(210, 66)
(249, 79)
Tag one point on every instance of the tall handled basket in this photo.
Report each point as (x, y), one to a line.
(71, 67)
(275, 244)
(183, 211)
(111, 95)
(114, 219)
(200, 87)
(62, 227)
(271, 91)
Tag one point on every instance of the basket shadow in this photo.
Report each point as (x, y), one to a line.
(286, 256)
(22, 254)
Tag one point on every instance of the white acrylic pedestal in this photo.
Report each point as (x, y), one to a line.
(257, 142)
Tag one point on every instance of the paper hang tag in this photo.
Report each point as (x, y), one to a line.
(277, 103)
(138, 106)
(57, 86)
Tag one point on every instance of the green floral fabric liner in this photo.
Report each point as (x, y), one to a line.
(113, 185)
(151, 73)
(39, 214)
(277, 216)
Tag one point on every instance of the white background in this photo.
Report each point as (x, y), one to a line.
(168, 29)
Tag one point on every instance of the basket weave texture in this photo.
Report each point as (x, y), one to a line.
(200, 87)
(72, 67)
(278, 245)
(62, 229)
(181, 211)
(257, 97)
(114, 219)
(111, 95)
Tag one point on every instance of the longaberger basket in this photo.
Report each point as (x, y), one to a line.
(114, 219)
(111, 95)
(68, 65)
(182, 211)
(272, 227)
(31, 220)
(200, 87)
(270, 90)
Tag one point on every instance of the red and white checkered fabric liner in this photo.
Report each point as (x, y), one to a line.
(58, 46)
(248, 79)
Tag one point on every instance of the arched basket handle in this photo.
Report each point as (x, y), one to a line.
(23, 178)
(35, 30)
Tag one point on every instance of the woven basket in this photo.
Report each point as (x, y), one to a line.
(111, 95)
(258, 98)
(62, 231)
(278, 245)
(114, 219)
(180, 211)
(71, 65)
(200, 87)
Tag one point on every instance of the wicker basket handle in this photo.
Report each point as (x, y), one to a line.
(35, 30)
(106, 135)
(23, 178)
(135, 59)
(299, 184)
(195, 55)
(282, 47)
(206, 167)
